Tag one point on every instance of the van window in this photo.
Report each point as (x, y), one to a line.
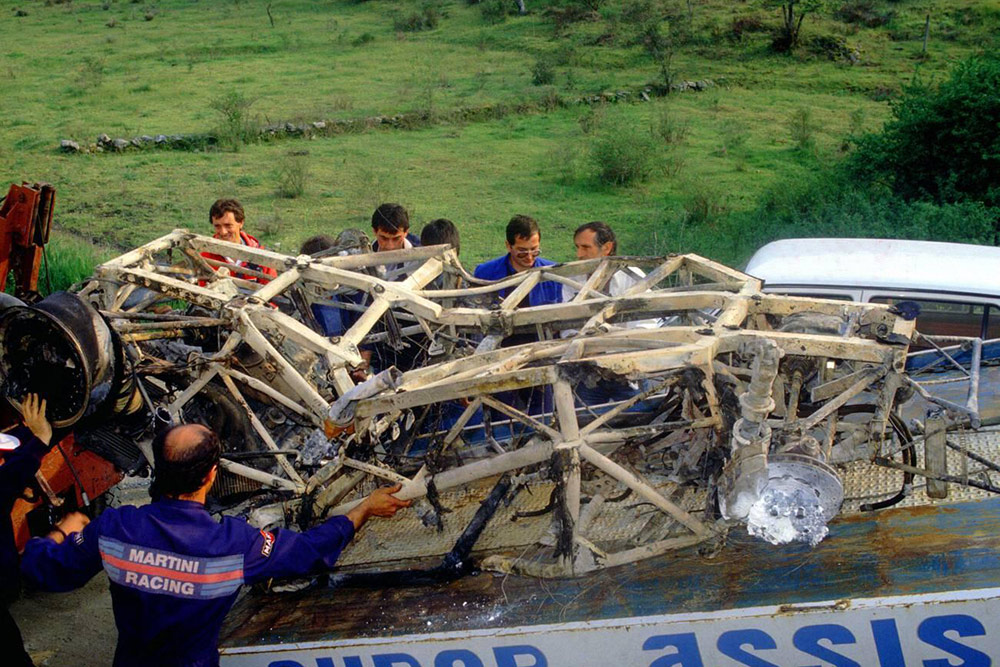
(948, 318)
(811, 294)
(993, 324)
(826, 295)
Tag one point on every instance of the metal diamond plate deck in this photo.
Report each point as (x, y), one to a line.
(630, 522)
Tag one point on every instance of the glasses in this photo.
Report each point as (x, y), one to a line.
(526, 253)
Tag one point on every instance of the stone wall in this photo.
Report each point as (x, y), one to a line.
(402, 121)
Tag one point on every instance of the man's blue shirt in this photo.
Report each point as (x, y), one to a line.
(543, 293)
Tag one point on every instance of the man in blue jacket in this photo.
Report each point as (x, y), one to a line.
(175, 571)
(25, 447)
(523, 253)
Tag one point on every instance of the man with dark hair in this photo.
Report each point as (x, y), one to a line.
(331, 320)
(523, 253)
(226, 216)
(595, 239)
(439, 232)
(317, 244)
(174, 570)
(391, 226)
(22, 449)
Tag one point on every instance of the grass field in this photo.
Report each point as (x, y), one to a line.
(73, 70)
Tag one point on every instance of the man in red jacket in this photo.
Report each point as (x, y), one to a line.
(227, 219)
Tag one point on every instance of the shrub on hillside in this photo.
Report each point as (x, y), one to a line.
(237, 126)
(623, 153)
(743, 26)
(292, 174)
(668, 127)
(941, 143)
(802, 128)
(494, 11)
(543, 73)
(867, 13)
(426, 19)
(832, 204)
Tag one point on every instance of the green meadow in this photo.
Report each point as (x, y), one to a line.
(704, 164)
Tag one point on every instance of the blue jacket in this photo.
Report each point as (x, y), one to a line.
(175, 572)
(543, 293)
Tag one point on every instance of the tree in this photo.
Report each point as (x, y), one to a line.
(792, 14)
(942, 143)
(660, 48)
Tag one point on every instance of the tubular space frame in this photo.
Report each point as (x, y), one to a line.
(305, 371)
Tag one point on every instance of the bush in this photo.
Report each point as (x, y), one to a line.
(543, 73)
(426, 19)
(238, 126)
(363, 39)
(639, 12)
(623, 154)
(668, 128)
(802, 128)
(704, 208)
(494, 11)
(941, 143)
(833, 204)
(863, 12)
(591, 119)
(411, 23)
(734, 137)
(292, 175)
(89, 75)
(834, 48)
(743, 26)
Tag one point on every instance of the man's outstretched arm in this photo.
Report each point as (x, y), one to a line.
(65, 559)
(286, 553)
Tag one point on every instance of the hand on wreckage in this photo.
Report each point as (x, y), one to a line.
(74, 522)
(381, 502)
(33, 410)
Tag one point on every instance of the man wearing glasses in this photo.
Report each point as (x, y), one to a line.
(523, 250)
(523, 253)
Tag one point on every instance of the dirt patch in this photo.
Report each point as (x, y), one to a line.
(68, 629)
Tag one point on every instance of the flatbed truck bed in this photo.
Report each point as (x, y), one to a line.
(918, 585)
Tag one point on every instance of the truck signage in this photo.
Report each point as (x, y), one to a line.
(929, 630)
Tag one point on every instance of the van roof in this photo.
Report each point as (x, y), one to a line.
(879, 263)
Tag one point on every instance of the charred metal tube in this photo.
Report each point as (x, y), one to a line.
(342, 410)
(972, 403)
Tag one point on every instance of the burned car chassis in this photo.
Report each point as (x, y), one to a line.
(702, 382)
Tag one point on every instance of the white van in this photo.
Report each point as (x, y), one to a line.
(957, 286)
